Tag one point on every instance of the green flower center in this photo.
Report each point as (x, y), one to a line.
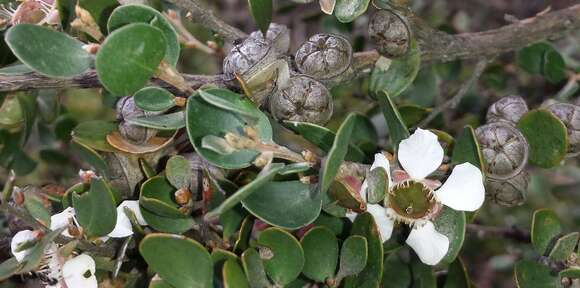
(411, 199)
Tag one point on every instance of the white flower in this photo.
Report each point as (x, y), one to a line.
(415, 200)
(20, 238)
(123, 226)
(327, 6)
(63, 219)
(80, 272)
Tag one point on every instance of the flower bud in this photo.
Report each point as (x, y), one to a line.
(304, 100)
(509, 192)
(504, 149)
(324, 56)
(278, 35)
(126, 108)
(390, 33)
(509, 108)
(570, 116)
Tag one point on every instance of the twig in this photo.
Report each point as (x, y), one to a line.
(454, 101)
(513, 233)
(185, 37)
(206, 17)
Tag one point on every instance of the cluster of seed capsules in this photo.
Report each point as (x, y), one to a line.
(505, 149)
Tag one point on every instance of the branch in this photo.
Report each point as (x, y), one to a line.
(512, 233)
(454, 101)
(206, 17)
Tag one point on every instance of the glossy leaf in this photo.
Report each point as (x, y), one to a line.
(262, 13)
(96, 210)
(129, 57)
(154, 99)
(180, 261)
(132, 13)
(285, 257)
(47, 51)
(337, 153)
(348, 10)
(545, 227)
(289, 204)
(320, 253)
(546, 136)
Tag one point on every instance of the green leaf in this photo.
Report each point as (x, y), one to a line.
(178, 171)
(233, 102)
(320, 253)
(9, 268)
(262, 13)
(99, 10)
(172, 121)
(564, 247)
(180, 261)
(154, 99)
(17, 69)
(423, 276)
(545, 227)
(157, 197)
(337, 153)
(323, 138)
(289, 204)
(34, 258)
(396, 272)
(353, 256)
(348, 10)
(530, 274)
(247, 190)
(218, 256)
(129, 57)
(284, 257)
(128, 14)
(397, 129)
(466, 149)
(364, 225)
(95, 210)
(542, 58)
(396, 75)
(295, 168)
(547, 137)
(203, 119)
(457, 276)
(90, 156)
(47, 51)
(167, 224)
(554, 67)
(573, 272)
(93, 134)
(233, 275)
(35, 206)
(254, 268)
(378, 185)
(452, 224)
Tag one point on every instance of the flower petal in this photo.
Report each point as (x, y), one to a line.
(63, 219)
(430, 245)
(351, 215)
(384, 223)
(420, 154)
(327, 6)
(80, 272)
(123, 227)
(363, 191)
(19, 238)
(463, 190)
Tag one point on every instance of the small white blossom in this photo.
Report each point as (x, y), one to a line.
(20, 238)
(80, 272)
(420, 155)
(123, 226)
(64, 219)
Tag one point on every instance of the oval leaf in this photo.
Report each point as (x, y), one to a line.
(348, 10)
(284, 258)
(547, 137)
(95, 210)
(320, 253)
(154, 99)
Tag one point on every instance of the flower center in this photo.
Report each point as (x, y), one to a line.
(411, 199)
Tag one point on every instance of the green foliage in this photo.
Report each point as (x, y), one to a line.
(542, 58)
(96, 209)
(545, 226)
(337, 153)
(262, 13)
(320, 253)
(547, 137)
(531, 274)
(283, 256)
(394, 76)
(154, 99)
(348, 10)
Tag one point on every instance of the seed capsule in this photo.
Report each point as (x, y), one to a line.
(324, 56)
(248, 57)
(509, 108)
(390, 33)
(510, 192)
(126, 108)
(570, 116)
(304, 100)
(504, 149)
(278, 35)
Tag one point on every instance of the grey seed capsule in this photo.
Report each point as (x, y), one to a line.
(570, 116)
(509, 108)
(278, 35)
(247, 57)
(198, 165)
(504, 149)
(304, 100)
(126, 108)
(390, 33)
(509, 192)
(324, 56)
